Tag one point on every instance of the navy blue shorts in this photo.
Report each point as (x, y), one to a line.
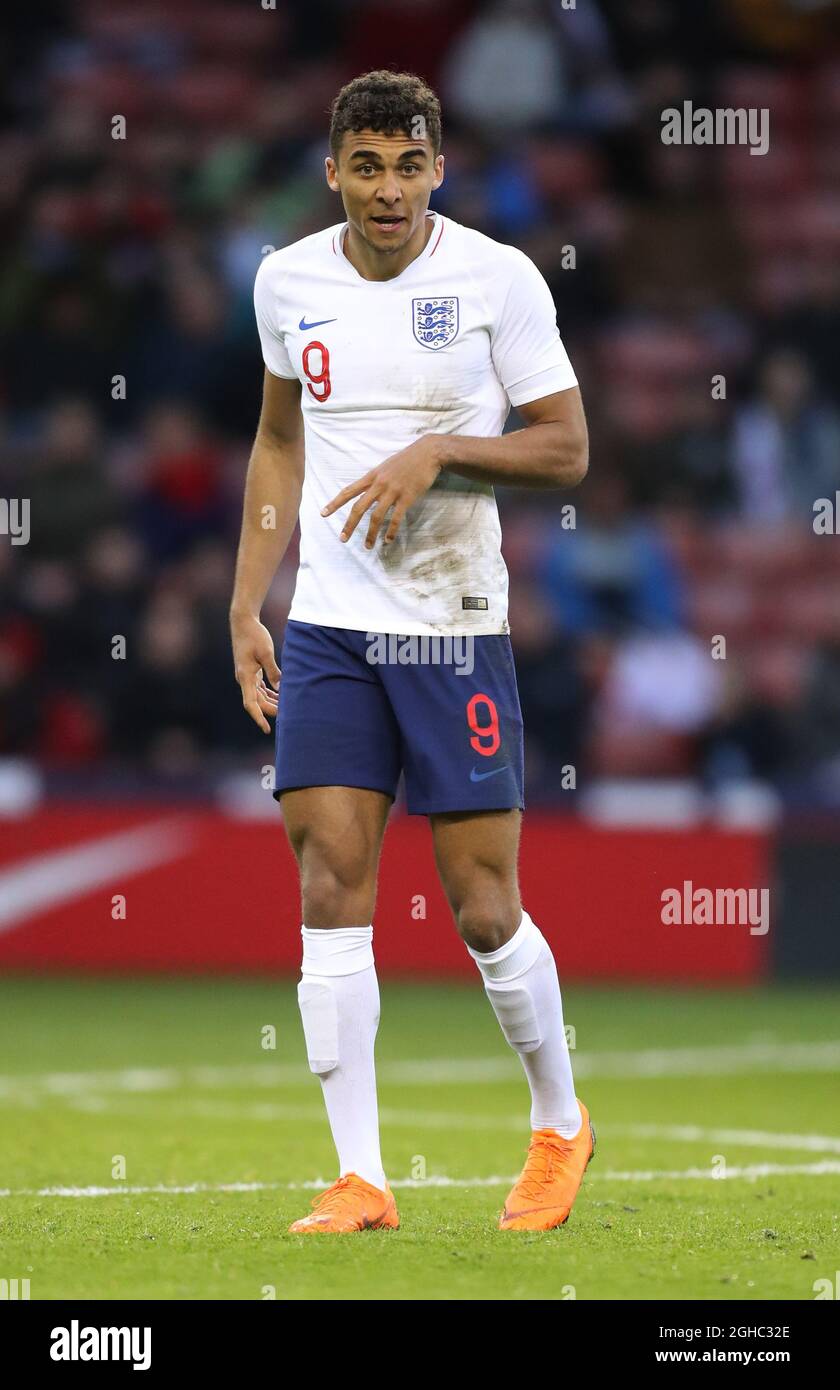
(347, 720)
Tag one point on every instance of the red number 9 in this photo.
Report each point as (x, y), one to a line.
(484, 731)
(323, 377)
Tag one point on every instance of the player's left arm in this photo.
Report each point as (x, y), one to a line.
(551, 451)
(533, 368)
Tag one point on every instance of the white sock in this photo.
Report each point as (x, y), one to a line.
(521, 982)
(340, 961)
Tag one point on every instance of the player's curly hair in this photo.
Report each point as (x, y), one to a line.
(387, 102)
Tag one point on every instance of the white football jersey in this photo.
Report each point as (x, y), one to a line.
(446, 347)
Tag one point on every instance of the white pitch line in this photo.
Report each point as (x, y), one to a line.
(727, 1060)
(750, 1138)
(271, 1112)
(398, 1119)
(441, 1119)
(742, 1058)
(827, 1167)
(711, 1061)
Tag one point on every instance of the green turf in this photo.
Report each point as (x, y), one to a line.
(208, 1104)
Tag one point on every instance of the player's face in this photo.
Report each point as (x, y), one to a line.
(385, 182)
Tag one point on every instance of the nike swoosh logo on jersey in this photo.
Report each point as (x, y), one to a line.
(305, 327)
(482, 776)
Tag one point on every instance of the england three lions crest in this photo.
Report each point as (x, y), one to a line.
(435, 321)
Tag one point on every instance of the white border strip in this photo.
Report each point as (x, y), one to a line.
(741, 1058)
(825, 1168)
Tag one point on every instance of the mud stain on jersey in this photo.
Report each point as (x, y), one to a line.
(441, 551)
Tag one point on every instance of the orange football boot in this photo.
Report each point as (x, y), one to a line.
(351, 1204)
(544, 1192)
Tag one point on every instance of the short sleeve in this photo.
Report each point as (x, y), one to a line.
(528, 354)
(275, 356)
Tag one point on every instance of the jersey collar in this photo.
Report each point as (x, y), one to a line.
(438, 224)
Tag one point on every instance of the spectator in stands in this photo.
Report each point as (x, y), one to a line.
(613, 573)
(786, 444)
(181, 501)
(72, 495)
(505, 72)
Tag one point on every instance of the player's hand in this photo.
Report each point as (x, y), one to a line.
(253, 661)
(392, 486)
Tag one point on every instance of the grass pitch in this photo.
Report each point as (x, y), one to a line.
(153, 1147)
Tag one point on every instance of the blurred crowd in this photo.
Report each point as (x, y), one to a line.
(684, 620)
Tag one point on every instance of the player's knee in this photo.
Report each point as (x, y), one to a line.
(337, 886)
(486, 922)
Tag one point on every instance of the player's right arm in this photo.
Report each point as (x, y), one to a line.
(272, 501)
